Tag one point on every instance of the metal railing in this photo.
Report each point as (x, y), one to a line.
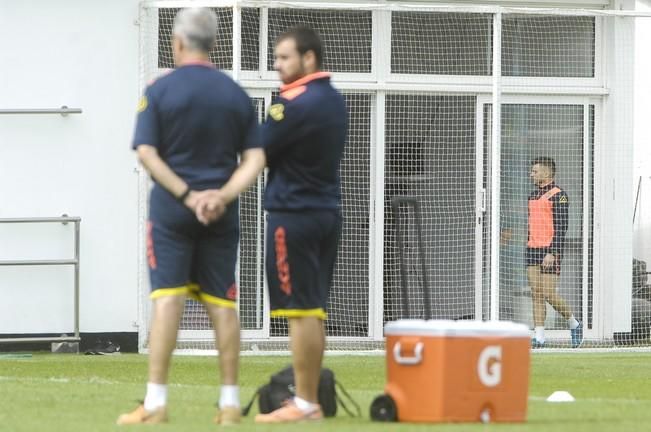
(74, 262)
(64, 111)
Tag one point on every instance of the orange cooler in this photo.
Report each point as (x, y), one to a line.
(458, 371)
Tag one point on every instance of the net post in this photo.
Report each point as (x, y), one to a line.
(377, 200)
(149, 28)
(263, 40)
(495, 167)
(237, 42)
(77, 255)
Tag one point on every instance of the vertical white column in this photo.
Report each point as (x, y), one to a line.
(237, 40)
(264, 42)
(148, 69)
(587, 212)
(480, 207)
(495, 167)
(619, 200)
(381, 64)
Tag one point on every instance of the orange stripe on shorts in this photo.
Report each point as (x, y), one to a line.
(151, 256)
(282, 265)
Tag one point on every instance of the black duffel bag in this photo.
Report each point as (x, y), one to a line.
(281, 388)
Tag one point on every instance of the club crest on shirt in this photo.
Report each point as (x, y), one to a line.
(277, 112)
(142, 104)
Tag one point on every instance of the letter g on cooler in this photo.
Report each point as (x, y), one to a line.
(489, 366)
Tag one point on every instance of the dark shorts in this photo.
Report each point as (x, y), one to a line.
(188, 258)
(300, 260)
(535, 257)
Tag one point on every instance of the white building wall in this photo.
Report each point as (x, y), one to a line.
(642, 135)
(81, 54)
(613, 300)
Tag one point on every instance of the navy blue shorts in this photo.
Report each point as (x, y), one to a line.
(300, 260)
(535, 257)
(188, 258)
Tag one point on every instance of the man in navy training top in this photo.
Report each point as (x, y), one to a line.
(303, 137)
(191, 126)
(548, 220)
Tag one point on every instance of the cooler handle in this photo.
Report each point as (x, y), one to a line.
(416, 359)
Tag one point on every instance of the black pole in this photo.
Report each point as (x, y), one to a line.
(637, 196)
(395, 204)
(413, 202)
(423, 266)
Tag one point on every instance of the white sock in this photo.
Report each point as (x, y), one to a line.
(229, 396)
(540, 333)
(156, 396)
(304, 405)
(573, 322)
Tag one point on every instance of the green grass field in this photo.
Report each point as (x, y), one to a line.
(86, 393)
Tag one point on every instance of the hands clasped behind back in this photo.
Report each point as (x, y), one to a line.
(208, 205)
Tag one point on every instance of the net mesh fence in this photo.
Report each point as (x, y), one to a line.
(436, 151)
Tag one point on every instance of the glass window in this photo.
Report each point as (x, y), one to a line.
(250, 49)
(346, 36)
(530, 131)
(441, 43)
(548, 46)
(430, 155)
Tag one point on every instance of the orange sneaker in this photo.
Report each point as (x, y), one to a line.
(290, 413)
(139, 416)
(228, 416)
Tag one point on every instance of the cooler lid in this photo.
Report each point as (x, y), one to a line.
(449, 328)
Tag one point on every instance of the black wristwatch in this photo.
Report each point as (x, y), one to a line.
(184, 195)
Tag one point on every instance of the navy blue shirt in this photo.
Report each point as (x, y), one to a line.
(304, 137)
(559, 212)
(198, 119)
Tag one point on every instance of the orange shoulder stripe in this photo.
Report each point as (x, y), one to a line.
(550, 193)
(306, 79)
(293, 93)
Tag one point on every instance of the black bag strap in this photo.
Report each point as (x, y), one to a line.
(340, 401)
(247, 408)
